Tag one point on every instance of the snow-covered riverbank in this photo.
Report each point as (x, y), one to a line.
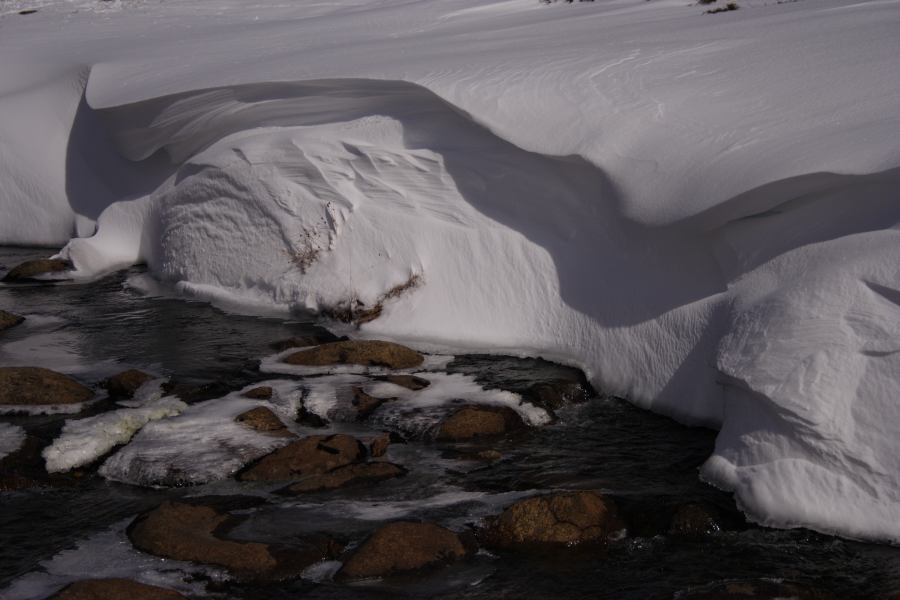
(699, 210)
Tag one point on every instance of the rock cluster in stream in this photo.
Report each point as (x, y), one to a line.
(198, 529)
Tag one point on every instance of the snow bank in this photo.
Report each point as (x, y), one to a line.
(699, 210)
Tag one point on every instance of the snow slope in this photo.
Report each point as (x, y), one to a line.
(699, 210)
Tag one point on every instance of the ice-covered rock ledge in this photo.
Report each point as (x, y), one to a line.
(674, 202)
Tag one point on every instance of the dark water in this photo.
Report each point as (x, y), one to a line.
(646, 462)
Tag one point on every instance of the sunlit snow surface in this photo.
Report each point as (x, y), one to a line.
(699, 210)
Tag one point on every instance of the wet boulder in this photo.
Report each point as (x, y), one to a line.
(563, 518)
(114, 589)
(756, 589)
(308, 456)
(39, 386)
(323, 336)
(126, 383)
(555, 394)
(196, 533)
(32, 270)
(350, 475)
(263, 392)
(367, 353)
(263, 420)
(402, 547)
(474, 421)
(366, 404)
(8, 319)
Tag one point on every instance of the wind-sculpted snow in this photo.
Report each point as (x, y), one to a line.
(675, 202)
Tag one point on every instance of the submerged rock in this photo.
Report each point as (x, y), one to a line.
(346, 476)
(308, 456)
(410, 382)
(367, 353)
(39, 386)
(695, 521)
(401, 547)
(478, 421)
(195, 533)
(264, 420)
(263, 392)
(304, 341)
(126, 383)
(756, 589)
(560, 518)
(379, 445)
(29, 270)
(8, 320)
(114, 589)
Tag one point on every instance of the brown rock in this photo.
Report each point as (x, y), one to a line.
(379, 445)
(759, 589)
(349, 475)
(694, 521)
(34, 385)
(561, 518)
(187, 532)
(307, 456)
(114, 589)
(478, 421)
(31, 269)
(366, 404)
(368, 353)
(126, 383)
(263, 419)
(263, 392)
(403, 546)
(8, 320)
(410, 382)
(191, 532)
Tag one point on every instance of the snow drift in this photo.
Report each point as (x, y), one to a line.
(700, 211)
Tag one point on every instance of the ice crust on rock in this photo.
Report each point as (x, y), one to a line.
(415, 412)
(675, 203)
(11, 438)
(85, 440)
(202, 444)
